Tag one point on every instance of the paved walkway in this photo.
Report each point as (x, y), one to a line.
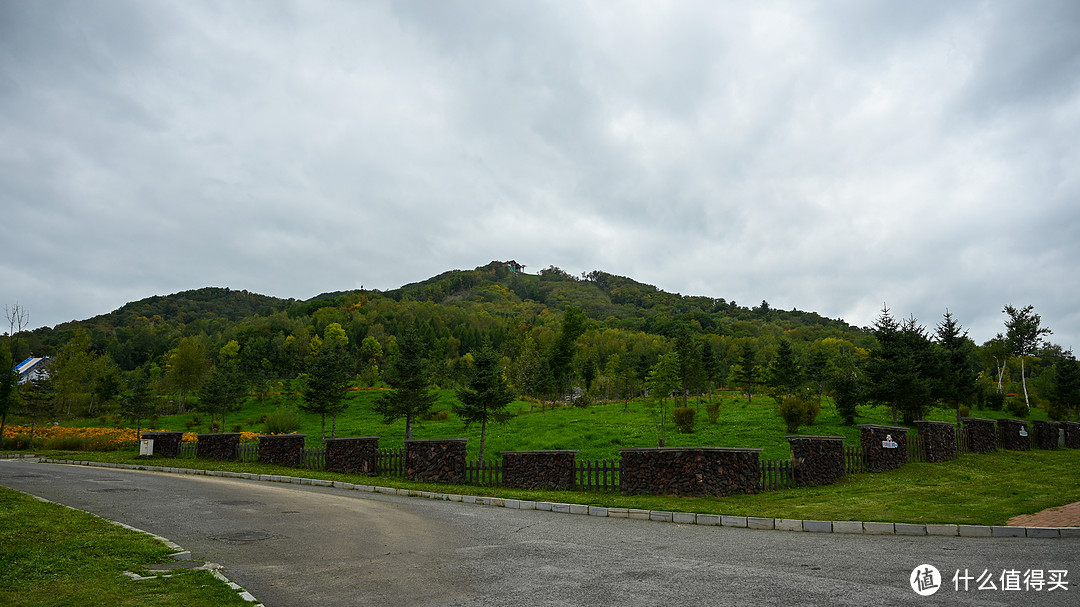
(1058, 516)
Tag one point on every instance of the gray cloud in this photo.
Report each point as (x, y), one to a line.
(827, 156)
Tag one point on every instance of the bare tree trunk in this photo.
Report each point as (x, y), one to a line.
(1023, 381)
(483, 436)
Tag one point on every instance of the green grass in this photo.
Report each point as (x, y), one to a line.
(597, 432)
(976, 489)
(52, 555)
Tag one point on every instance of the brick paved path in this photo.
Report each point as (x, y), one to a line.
(1059, 516)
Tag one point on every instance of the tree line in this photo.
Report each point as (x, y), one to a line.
(547, 354)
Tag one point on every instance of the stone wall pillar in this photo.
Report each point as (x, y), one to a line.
(817, 460)
(1047, 434)
(980, 435)
(166, 444)
(221, 446)
(884, 447)
(1072, 434)
(694, 471)
(352, 455)
(539, 469)
(283, 449)
(439, 459)
(1015, 434)
(938, 440)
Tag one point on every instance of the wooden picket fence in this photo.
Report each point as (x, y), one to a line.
(484, 472)
(597, 475)
(314, 458)
(776, 474)
(390, 461)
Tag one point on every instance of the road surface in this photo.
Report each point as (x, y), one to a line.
(294, 545)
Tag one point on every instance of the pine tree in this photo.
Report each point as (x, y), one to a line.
(487, 395)
(326, 382)
(410, 377)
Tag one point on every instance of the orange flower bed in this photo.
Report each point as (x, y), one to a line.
(110, 437)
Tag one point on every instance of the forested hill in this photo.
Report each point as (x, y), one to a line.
(454, 310)
(619, 302)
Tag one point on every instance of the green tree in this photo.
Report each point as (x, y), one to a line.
(1024, 335)
(847, 391)
(959, 365)
(38, 397)
(186, 369)
(710, 367)
(1065, 390)
(487, 395)
(72, 369)
(326, 383)
(897, 371)
(139, 403)
(561, 358)
(9, 389)
(223, 390)
(783, 375)
(663, 380)
(409, 374)
(371, 352)
(747, 372)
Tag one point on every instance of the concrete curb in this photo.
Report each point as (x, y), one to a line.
(179, 554)
(681, 518)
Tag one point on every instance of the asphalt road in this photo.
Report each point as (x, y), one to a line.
(293, 545)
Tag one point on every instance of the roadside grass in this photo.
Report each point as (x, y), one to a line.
(52, 555)
(976, 489)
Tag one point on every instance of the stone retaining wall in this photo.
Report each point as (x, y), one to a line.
(938, 440)
(1047, 434)
(884, 447)
(817, 460)
(695, 471)
(222, 446)
(352, 454)
(283, 449)
(1072, 434)
(539, 469)
(166, 444)
(980, 434)
(1015, 434)
(440, 460)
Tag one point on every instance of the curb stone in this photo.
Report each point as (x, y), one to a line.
(690, 518)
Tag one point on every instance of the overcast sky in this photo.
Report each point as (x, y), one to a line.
(825, 156)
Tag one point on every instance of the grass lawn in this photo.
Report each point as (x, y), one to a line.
(52, 555)
(597, 432)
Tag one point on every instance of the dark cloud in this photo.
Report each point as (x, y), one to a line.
(827, 156)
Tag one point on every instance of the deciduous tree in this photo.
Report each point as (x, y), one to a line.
(662, 381)
(1024, 335)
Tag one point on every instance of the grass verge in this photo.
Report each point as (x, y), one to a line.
(976, 489)
(52, 555)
